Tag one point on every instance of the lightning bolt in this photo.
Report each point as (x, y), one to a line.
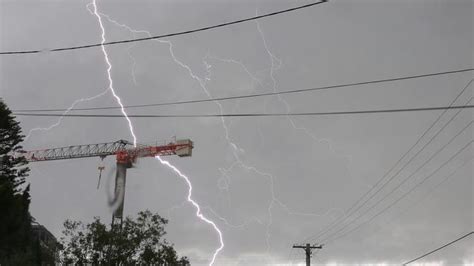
(226, 222)
(202, 82)
(164, 162)
(274, 68)
(109, 72)
(239, 162)
(198, 209)
(275, 64)
(58, 122)
(234, 147)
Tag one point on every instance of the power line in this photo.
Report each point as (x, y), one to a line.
(443, 246)
(257, 94)
(251, 114)
(433, 189)
(403, 167)
(403, 196)
(168, 34)
(353, 208)
(399, 185)
(412, 174)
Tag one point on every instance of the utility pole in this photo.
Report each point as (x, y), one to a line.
(308, 249)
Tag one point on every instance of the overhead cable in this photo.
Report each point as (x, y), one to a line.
(225, 24)
(403, 196)
(254, 95)
(250, 114)
(353, 209)
(398, 186)
(443, 246)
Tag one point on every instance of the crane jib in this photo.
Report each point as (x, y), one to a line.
(123, 150)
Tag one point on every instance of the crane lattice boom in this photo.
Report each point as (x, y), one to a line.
(125, 153)
(124, 150)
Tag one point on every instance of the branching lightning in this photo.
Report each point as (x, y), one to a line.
(58, 122)
(275, 64)
(273, 68)
(229, 224)
(198, 209)
(166, 163)
(202, 83)
(236, 150)
(109, 72)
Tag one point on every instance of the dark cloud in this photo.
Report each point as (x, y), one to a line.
(319, 165)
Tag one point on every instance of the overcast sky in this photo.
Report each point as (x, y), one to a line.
(267, 182)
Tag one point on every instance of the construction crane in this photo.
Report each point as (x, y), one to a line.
(124, 151)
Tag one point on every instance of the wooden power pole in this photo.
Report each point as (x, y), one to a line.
(308, 249)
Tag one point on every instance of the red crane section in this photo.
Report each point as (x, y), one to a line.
(182, 148)
(125, 153)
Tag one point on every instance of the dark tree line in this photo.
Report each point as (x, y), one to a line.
(16, 240)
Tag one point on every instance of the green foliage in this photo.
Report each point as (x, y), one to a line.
(12, 168)
(15, 220)
(18, 246)
(139, 242)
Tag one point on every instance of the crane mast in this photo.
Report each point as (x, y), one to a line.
(126, 155)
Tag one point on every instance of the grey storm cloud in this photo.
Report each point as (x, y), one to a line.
(266, 182)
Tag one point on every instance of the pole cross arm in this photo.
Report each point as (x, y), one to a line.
(305, 246)
(308, 248)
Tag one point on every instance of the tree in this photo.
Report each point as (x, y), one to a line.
(15, 219)
(138, 242)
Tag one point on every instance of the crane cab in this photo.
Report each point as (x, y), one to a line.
(184, 147)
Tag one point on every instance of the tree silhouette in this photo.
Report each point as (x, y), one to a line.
(138, 242)
(15, 220)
